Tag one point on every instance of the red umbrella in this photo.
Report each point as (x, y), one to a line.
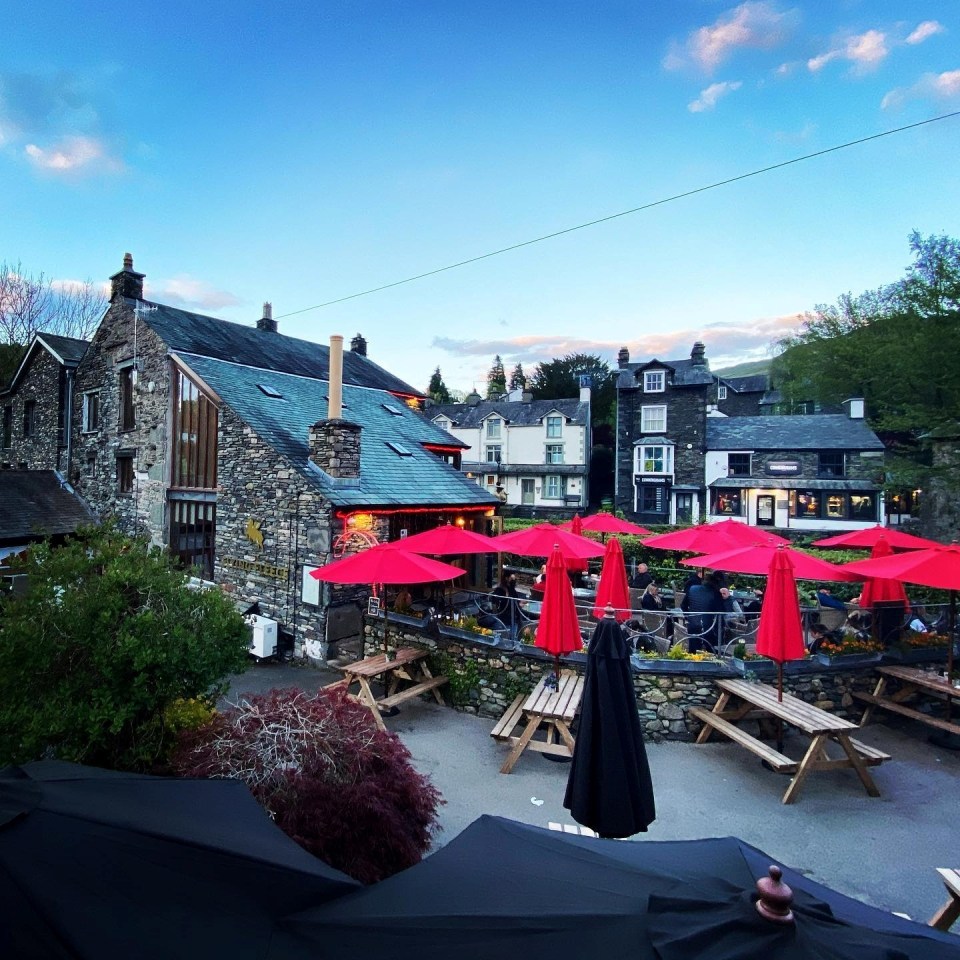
(386, 563)
(613, 589)
(869, 536)
(540, 539)
(558, 631)
(575, 525)
(576, 528)
(878, 590)
(608, 523)
(714, 537)
(780, 632)
(757, 559)
(447, 539)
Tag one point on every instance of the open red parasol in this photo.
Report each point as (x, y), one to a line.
(878, 589)
(540, 539)
(714, 537)
(868, 537)
(756, 560)
(575, 525)
(576, 528)
(780, 632)
(608, 523)
(447, 539)
(558, 631)
(613, 588)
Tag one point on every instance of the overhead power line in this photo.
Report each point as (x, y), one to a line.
(625, 213)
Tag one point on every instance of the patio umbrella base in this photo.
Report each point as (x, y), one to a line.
(944, 740)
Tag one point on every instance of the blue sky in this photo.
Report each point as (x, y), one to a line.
(301, 152)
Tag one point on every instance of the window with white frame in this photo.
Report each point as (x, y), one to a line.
(654, 381)
(554, 453)
(554, 487)
(653, 419)
(554, 426)
(493, 428)
(655, 458)
(722, 392)
(493, 452)
(91, 411)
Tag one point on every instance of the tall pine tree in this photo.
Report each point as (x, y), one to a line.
(518, 379)
(496, 379)
(437, 390)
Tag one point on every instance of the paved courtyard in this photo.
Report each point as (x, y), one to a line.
(881, 850)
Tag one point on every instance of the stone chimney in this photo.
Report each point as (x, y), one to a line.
(266, 322)
(623, 357)
(473, 398)
(855, 408)
(699, 355)
(358, 345)
(527, 396)
(127, 283)
(335, 448)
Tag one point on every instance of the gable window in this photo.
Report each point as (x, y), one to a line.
(91, 411)
(492, 452)
(442, 422)
(831, 463)
(738, 465)
(655, 458)
(493, 428)
(653, 419)
(124, 473)
(554, 453)
(194, 461)
(29, 418)
(722, 392)
(554, 487)
(127, 416)
(554, 426)
(654, 381)
(7, 428)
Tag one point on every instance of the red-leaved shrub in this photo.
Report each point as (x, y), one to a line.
(330, 778)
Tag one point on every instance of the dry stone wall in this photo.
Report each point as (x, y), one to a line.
(40, 384)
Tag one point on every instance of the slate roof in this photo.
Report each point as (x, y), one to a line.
(386, 478)
(832, 431)
(195, 333)
(67, 350)
(685, 373)
(516, 413)
(36, 504)
(755, 383)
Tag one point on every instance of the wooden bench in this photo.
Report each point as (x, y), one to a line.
(410, 692)
(779, 762)
(871, 756)
(947, 915)
(508, 722)
(913, 683)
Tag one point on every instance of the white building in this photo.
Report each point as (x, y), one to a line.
(530, 452)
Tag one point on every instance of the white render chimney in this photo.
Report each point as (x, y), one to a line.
(335, 405)
(855, 408)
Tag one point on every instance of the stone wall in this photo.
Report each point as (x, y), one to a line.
(142, 511)
(40, 383)
(484, 679)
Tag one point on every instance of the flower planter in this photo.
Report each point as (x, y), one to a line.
(712, 668)
(915, 654)
(848, 659)
(762, 667)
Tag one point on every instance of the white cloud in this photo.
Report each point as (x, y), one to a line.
(186, 291)
(925, 30)
(757, 24)
(73, 154)
(708, 97)
(864, 50)
(931, 86)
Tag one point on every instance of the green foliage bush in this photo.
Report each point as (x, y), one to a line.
(105, 639)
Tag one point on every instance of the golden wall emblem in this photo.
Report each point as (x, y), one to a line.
(254, 533)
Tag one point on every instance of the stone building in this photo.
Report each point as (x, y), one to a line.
(254, 456)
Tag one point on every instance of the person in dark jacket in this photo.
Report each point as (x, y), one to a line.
(826, 599)
(642, 578)
(652, 601)
(704, 604)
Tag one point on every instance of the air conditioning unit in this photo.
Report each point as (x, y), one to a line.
(263, 636)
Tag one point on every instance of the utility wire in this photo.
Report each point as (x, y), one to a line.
(625, 213)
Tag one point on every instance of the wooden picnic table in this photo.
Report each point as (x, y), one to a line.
(913, 683)
(740, 700)
(553, 709)
(948, 914)
(408, 664)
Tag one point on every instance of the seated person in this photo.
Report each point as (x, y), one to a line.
(540, 580)
(642, 578)
(651, 600)
(402, 601)
(820, 634)
(754, 604)
(826, 598)
(917, 624)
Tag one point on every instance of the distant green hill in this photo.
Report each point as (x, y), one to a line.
(750, 368)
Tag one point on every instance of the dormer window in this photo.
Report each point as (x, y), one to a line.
(442, 422)
(654, 381)
(554, 427)
(493, 428)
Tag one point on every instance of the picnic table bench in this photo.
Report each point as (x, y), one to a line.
(553, 709)
(947, 915)
(740, 701)
(913, 683)
(407, 664)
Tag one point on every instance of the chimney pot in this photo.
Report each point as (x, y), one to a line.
(266, 322)
(623, 357)
(699, 354)
(359, 345)
(335, 406)
(128, 261)
(127, 283)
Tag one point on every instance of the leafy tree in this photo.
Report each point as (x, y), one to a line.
(331, 780)
(560, 379)
(105, 638)
(496, 379)
(437, 390)
(518, 380)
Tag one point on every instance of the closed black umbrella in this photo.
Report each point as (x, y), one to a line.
(609, 788)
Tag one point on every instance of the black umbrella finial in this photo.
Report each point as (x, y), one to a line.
(775, 898)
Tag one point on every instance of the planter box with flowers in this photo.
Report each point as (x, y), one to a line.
(676, 658)
(918, 648)
(849, 652)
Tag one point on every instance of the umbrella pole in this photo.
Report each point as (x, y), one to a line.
(780, 699)
(952, 627)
